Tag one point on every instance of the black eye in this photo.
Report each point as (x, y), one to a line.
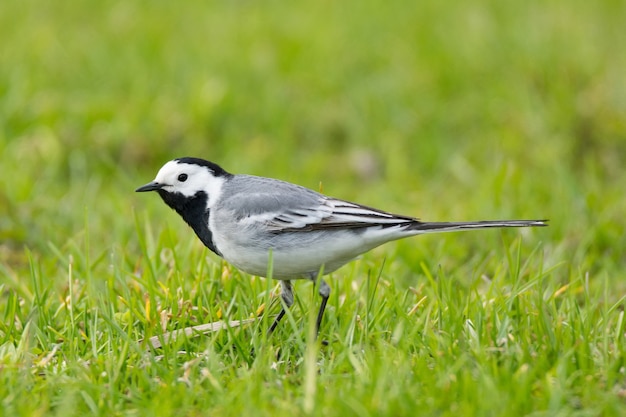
(182, 177)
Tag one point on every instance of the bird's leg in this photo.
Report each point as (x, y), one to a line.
(324, 292)
(286, 293)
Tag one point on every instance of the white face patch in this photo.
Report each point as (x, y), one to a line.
(189, 179)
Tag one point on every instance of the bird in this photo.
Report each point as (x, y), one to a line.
(252, 221)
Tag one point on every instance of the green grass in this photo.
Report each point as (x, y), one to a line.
(483, 109)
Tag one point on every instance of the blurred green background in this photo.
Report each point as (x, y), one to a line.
(442, 110)
(474, 109)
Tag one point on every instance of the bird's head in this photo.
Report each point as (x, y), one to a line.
(186, 178)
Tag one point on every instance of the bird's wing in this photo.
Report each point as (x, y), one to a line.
(333, 213)
(322, 213)
(280, 206)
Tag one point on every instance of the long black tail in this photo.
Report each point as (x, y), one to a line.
(434, 227)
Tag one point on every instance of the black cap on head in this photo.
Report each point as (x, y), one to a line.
(216, 169)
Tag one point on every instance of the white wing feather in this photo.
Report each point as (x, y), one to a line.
(327, 214)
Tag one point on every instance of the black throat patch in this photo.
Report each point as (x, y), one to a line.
(195, 212)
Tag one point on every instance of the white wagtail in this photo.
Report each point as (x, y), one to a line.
(249, 220)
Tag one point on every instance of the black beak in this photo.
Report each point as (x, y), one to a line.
(151, 186)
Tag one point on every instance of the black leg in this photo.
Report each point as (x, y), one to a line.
(286, 293)
(320, 315)
(324, 292)
(276, 321)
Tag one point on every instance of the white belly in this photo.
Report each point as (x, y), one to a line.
(293, 256)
